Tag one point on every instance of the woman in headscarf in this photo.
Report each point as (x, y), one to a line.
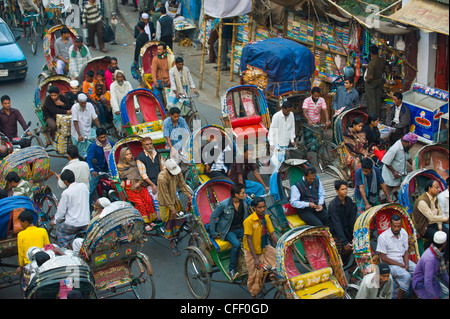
(356, 143)
(134, 187)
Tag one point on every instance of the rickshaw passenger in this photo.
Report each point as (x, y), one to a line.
(430, 270)
(368, 179)
(216, 159)
(118, 89)
(83, 114)
(73, 213)
(241, 168)
(281, 132)
(89, 84)
(79, 55)
(257, 250)
(30, 236)
(356, 143)
(443, 199)
(377, 285)
(99, 205)
(372, 131)
(227, 220)
(18, 186)
(109, 73)
(427, 214)
(72, 95)
(342, 212)
(79, 168)
(393, 247)
(169, 204)
(55, 103)
(62, 46)
(396, 160)
(134, 187)
(308, 197)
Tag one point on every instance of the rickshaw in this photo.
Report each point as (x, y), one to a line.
(199, 141)
(148, 52)
(413, 185)
(341, 123)
(32, 164)
(434, 156)
(62, 135)
(309, 263)
(49, 50)
(372, 223)
(112, 249)
(143, 114)
(135, 145)
(207, 255)
(10, 208)
(245, 111)
(56, 277)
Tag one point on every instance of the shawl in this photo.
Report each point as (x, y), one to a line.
(181, 85)
(106, 148)
(356, 142)
(83, 51)
(127, 170)
(440, 256)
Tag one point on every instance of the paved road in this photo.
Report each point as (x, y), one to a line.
(169, 270)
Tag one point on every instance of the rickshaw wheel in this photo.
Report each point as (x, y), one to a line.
(48, 207)
(145, 285)
(279, 295)
(194, 118)
(326, 155)
(197, 278)
(351, 291)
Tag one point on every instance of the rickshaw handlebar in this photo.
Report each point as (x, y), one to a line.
(185, 96)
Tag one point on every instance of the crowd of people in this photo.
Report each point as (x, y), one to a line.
(149, 183)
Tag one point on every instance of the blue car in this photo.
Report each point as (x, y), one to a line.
(13, 64)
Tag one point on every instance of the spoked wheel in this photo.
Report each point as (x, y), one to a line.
(33, 39)
(36, 141)
(197, 278)
(144, 285)
(196, 121)
(351, 291)
(327, 155)
(48, 206)
(279, 295)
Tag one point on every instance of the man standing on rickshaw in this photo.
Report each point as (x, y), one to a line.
(169, 204)
(161, 65)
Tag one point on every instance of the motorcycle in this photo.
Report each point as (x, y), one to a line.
(16, 143)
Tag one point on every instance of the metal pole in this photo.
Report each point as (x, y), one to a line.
(219, 57)
(203, 53)
(233, 44)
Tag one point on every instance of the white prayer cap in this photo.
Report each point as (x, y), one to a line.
(439, 237)
(144, 15)
(82, 97)
(103, 202)
(74, 84)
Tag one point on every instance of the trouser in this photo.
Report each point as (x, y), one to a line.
(213, 36)
(92, 30)
(234, 236)
(93, 183)
(313, 218)
(60, 66)
(402, 276)
(167, 39)
(220, 173)
(224, 51)
(51, 124)
(117, 121)
(256, 276)
(374, 93)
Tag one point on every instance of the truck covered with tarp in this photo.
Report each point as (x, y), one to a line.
(278, 66)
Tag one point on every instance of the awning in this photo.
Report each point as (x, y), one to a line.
(227, 8)
(430, 16)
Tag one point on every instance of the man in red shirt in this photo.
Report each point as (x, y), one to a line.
(9, 118)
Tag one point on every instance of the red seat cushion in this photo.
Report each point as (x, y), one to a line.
(246, 121)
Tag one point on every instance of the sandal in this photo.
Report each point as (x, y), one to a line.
(175, 251)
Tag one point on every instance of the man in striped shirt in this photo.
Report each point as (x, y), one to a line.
(312, 106)
(92, 19)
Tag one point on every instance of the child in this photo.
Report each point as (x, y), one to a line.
(89, 85)
(30, 236)
(257, 251)
(17, 186)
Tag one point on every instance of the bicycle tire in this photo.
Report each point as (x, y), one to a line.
(193, 121)
(33, 39)
(326, 155)
(37, 139)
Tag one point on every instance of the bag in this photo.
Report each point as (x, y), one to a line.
(108, 34)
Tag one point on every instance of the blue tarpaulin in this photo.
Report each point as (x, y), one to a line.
(8, 204)
(288, 64)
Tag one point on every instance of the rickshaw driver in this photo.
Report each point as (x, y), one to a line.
(175, 130)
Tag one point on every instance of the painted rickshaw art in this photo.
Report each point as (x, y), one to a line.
(143, 114)
(309, 262)
(434, 156)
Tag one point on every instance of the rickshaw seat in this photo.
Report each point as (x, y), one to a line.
(221, 245)
(295, 221)
(317, 284)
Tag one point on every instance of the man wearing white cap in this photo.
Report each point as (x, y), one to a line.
(430, 268)
(72, 95)
(169, 204)
(149, 27)
(83, 113)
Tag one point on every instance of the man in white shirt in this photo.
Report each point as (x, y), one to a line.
(83, 113)
(79, 168)
(281, 133)
(393, 248)
(180, 80)
(73, 214)
(118, 89)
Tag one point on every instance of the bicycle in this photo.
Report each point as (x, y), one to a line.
(327, 153)
(191, 114)
(32, 37)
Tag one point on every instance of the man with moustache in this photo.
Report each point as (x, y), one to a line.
(118, 89)
(83, 114)
(377, 285)
(393, 248)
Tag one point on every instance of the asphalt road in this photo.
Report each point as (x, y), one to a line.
(168, 270)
